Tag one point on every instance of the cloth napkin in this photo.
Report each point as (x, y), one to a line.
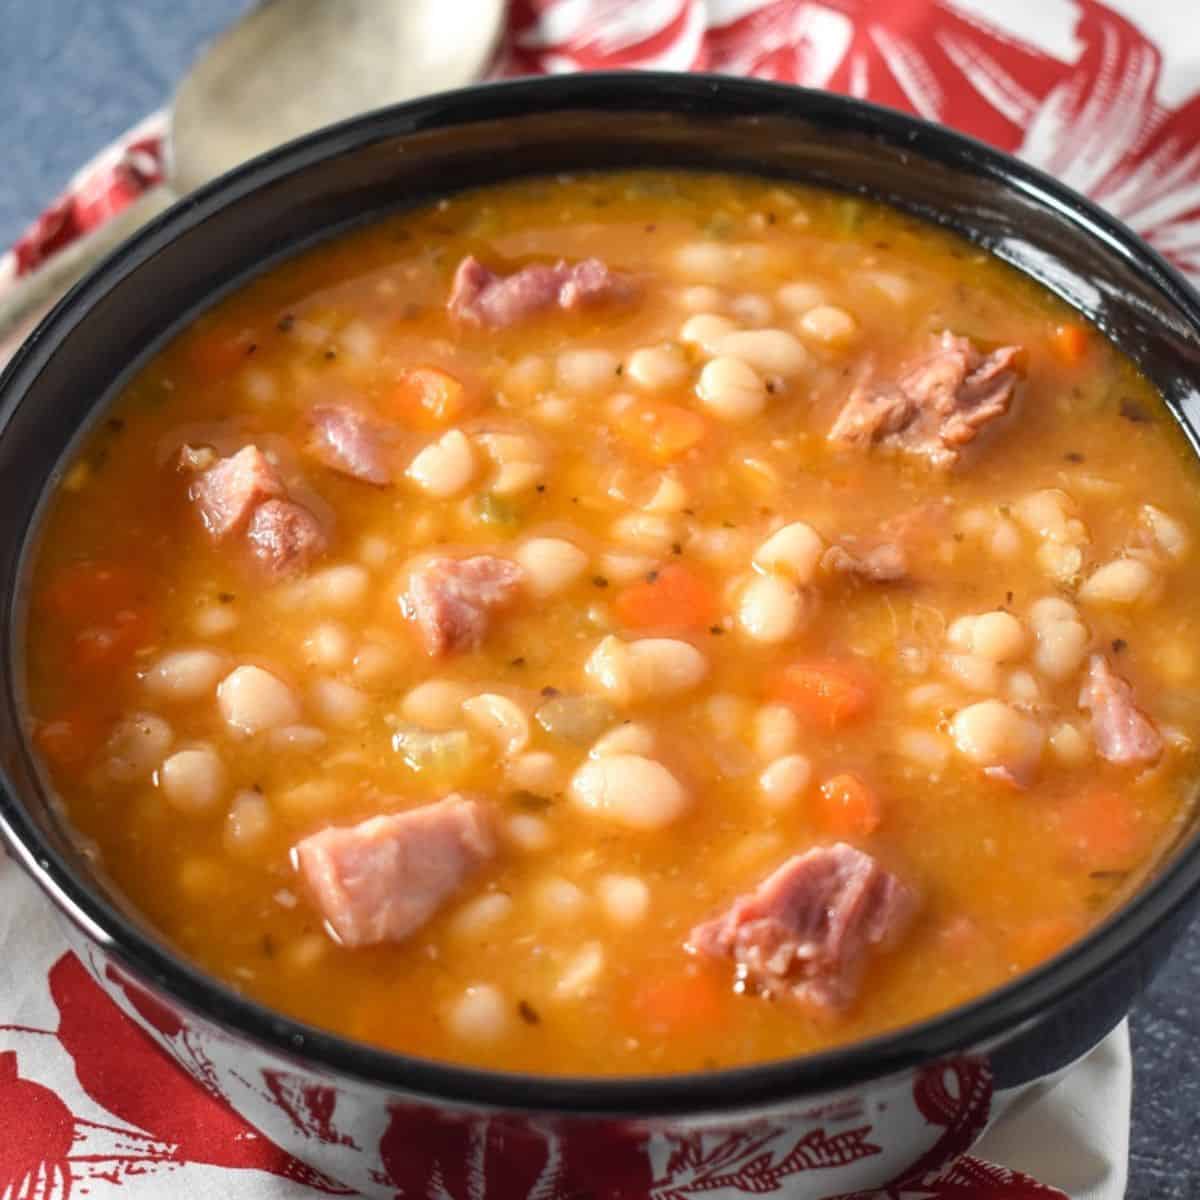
(1105, 96)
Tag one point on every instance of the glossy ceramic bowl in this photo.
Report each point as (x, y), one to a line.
(882, 1111)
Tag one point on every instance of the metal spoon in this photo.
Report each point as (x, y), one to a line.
(287, 67)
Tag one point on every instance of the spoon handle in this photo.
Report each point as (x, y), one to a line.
(25, 302)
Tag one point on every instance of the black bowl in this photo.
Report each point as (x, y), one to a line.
(81, 355)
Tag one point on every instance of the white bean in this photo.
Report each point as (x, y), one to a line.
(1050, 514)
(665, 666)
(559, 899)
(993, 734)
(752, 309)
(705, 330)
(444, 468)
(1062, 638)
(527, 832)
(327, 646)
(719, 262)
(1023, 688)
(973, 671)
(582, 973)
(252, 700)
(1122, 582)
(670, 496)
(776, 731)
(700, 298)
(630, 738)
(656, 367)
(516, 477)
(625, 898)
(793, 551)
(136, 746)
(997, 636)
(527, 377)
(800, 297)
(306, 739)
(771, 610)
(499, 718)
(586, 370)
(631, 790)
(376, 662)
(478, 916)
(247, 822)
(1069, 745)
(625, 568)
(769, 351)
(828, 324)
(338, 702)
(536, 771)
(924, 747)
(214, 620)
(185, 674)
(785, 780)
(1171, 535)
(648, 533)
(731, 389)
(480, 1014)
(550, 564)
(341, 588)
(435, 704)
(193, 781)
(895, 287)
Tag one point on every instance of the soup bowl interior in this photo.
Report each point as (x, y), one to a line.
(61, 381)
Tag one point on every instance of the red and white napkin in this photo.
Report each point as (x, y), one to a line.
(1105, 96)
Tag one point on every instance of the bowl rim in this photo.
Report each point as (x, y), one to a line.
(966, 1028)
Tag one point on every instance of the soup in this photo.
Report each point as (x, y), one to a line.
(627, 623)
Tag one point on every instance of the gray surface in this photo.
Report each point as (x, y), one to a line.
(75, 73)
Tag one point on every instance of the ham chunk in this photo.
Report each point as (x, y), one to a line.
(230, 490)
(452, 599)
(936, 406)
(347, 442)
(381, 880)
(1123, 733)
(285, 537)
(885, 562)
(804, 933)
(482, 297)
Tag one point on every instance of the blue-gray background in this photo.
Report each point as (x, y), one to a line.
(75, 73)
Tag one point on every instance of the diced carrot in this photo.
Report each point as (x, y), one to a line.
(1070, 343)
(1100, 829)
(428, 397)
(675, 597)
(69, 742)
(661, 432)
(828, 694)
(1042, 939)
(89, 593)
(108, 647)
(694, 1001)
(849, 806)
(215, 353)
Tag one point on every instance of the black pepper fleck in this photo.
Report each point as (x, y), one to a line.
(549, 692)
(600, 581)
(1118, 645)
(651, 576)
(250, 349)
(1008, 597)
(541, 487)
(528, 1013)
(226, 597)
(114, 425)
(1131, 410)
(330, 355)
(676, 548)
(620, 368)
(715, 630)
(268, 946)
(1073, 456)
(519, 661)
(285, 323)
